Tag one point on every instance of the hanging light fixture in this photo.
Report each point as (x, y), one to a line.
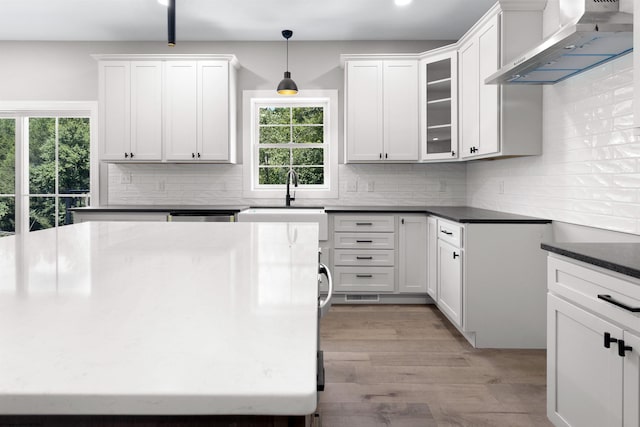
(171, 23)
(287, 86)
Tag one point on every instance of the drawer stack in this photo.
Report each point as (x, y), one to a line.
(364, 255)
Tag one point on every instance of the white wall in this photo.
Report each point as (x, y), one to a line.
(589, 172)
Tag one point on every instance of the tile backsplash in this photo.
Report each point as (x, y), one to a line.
(180, 184)
(589, 172)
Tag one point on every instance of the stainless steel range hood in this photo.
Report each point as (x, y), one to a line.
(600, 34)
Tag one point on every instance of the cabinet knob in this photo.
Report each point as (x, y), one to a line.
(380, 155)
(131, 155)
(198, 155)
(193, 155)
(402, 220)
(608, 340)
(453, 154)
(622, 348)
(126, 155)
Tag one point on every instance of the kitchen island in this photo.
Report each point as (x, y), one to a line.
(123, 318)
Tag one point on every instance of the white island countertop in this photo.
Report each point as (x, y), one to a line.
(160, 318)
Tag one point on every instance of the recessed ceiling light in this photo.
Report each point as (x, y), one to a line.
(402, 2)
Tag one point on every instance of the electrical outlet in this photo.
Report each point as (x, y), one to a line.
(125, 178)
(443, 186)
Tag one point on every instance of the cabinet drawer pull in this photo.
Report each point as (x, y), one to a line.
(622, 348)
(364, 276)
(610, 300)
(455, 255)
(364, 241)
(364, 223)
(364, 257)
(608, 340)
(448, 233)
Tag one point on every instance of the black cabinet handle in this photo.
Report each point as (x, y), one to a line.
(402, 221)
(126, 155)
(622, 348)
(198, 155)
(364, 276)
(608, 340)
(380, 155)
(364, 257)
(610, 300)
(386, 155)
(455, 255)
(448, 233)
(364, 241)
(131, 155)
(193, 155)
(453, 154)
(364, 223)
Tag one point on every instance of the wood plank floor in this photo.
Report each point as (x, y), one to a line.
(407, 366)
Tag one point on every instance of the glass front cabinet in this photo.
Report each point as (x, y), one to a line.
(438, 104)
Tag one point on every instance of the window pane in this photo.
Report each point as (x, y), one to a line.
(274, 156)
(308, 176)
(275, 135)
(65, 216)
(273, 175)
(275, 115)
(308, 115)
(7, 156)
(308, 134)
(73, 156)
(308, 156)
(7, 216)
(42, 152)
(42, 213)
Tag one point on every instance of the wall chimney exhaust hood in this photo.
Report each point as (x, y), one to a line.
(600, 34)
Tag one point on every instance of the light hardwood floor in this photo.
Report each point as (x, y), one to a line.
(407, 366)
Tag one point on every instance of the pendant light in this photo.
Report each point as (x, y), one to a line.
(287, 86)
(171, 23)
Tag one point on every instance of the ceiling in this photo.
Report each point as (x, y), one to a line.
(238, 20)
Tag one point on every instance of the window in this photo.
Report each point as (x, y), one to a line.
(283, 134)
(46, 165)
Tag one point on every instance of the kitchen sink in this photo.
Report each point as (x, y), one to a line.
(282, 214)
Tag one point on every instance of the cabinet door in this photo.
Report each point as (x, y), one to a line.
(400, 110)
(469, 81)
(632, 381)
(412, 254)
(488, 95)
(115, 109)
(450, 281)
(146, 110)
(584, 378)
(432, 258)
(213, 110)
(364, 125)
(181, 109)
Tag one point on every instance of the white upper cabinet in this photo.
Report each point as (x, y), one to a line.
(197, 111)
(381, 107)
(439, 104)
(130, 110)
(499, 121)
(167, 108)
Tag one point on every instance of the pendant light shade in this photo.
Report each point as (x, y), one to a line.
(171, 23)
(287, 86)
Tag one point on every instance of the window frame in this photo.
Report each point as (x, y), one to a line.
(21, 111)
(252, 101)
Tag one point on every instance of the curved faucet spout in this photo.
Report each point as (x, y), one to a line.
(292, 177)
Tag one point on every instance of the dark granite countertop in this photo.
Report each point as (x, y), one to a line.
(463, 214)
(619, 257)
(163, 208)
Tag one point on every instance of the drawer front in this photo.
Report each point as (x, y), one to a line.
(364, 240)
(358, 223)
(355, 257)
(450, 232)
(582, 285)
(364, 279)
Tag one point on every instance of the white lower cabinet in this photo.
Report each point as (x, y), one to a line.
(593, 350)
(380, 254)
(450, 281)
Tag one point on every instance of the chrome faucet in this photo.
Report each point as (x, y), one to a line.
(292, 177)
